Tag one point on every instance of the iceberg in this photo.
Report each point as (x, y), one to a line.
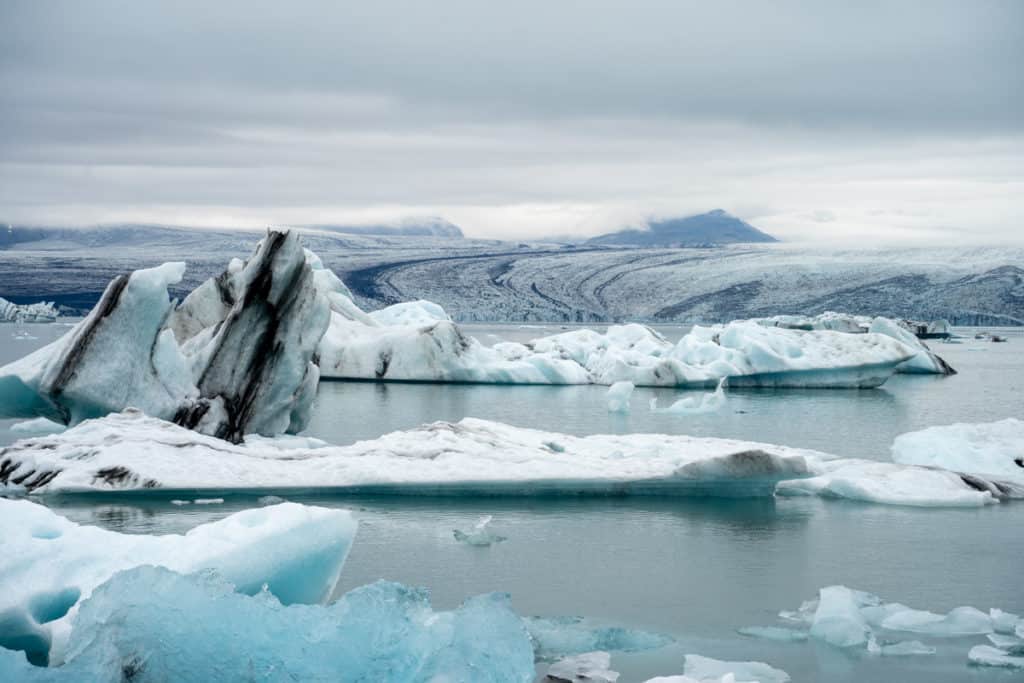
(480, 534)
(908, 332)
(691, 405)
(130, 451)
(41, 312)
(147, 622)
(779, 633)
(847, 618)
(838, 620)
(987, 655)
(50, 564)
(556, 637)
(592, 667)
(988, 449)
(618, 397)
(746, 353)
(234, 358)
(39, 425)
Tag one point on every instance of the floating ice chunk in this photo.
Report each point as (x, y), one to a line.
(838, 620)
(924, 361)
(178, 501)
(894, 484)
(252, 356)
(119, 356)
(587, 667)
(1012, 644)
(986, 655)
(234, 358)
(906, 648)
(208, 501)
(132, 451)
(960, 621)
(50, 563)
(39, 425)
(994, 448)
(691, 405)
(779, 633)
(411, 313)
(480, 534)
(618, 397)
(1003, 622)
(555, 637)
(704, 668)
(270, 500)
(198, 628)
(41, 312)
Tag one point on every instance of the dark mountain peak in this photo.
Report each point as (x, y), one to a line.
(715, 227)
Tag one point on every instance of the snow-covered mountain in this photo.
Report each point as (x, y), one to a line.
(478, 280)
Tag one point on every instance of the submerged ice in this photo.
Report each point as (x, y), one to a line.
(200, 628)
(50, 564)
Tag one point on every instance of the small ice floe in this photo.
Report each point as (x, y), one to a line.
(618, 397)
(22, 335)
(988, 655)
(181, 502)
(208, 501)
(694, 405)
(556, 637)
(270, 500)
(589, 667)
(779, 633)
(39, 425)
(849, 618)
(706, 668)
(479, 535)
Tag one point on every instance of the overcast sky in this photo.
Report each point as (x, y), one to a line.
(895, 122)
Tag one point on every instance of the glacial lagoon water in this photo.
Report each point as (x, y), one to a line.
(694, 569)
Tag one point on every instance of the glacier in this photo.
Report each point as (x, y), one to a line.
(50, 564)
(41, 312)
(130, 451)
(148, 621)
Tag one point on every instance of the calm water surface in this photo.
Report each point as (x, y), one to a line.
(695, 569)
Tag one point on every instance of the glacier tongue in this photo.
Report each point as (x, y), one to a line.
(49, 563)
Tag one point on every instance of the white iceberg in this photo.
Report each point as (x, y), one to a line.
(838, 620)
(40, 312)
(589, 667)
(696, 405)
(618, 397)
(745, 352)
(987, 655)
(480, 534)
(924, 361)
(845, 617)
(50, 564)
(149, 623)
(704, 668)
(131, 451)
(989, 449)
